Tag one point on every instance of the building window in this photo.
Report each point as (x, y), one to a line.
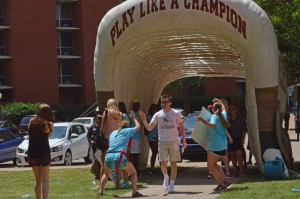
(66, 72)
(1, 13)
(65, 43)
(2, 73)
(64, 15)
(2, 49)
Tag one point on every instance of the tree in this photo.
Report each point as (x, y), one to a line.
(188, 87)
(285, 17)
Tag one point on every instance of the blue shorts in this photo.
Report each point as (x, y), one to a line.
(111, 164)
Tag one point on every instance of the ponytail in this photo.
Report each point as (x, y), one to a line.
(218, 108)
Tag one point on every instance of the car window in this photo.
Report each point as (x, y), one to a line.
(83, 121)
(80, 129)
(25, 120)
(190, 121)
(6, 135)
(58, 132)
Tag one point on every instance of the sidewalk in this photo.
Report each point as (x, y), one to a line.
(190, 184)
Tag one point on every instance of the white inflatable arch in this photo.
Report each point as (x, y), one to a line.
(143, 45)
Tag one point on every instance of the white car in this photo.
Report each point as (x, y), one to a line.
(87, 121)
(68, 142)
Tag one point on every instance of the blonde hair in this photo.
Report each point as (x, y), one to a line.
(112, 107)
(123, 124)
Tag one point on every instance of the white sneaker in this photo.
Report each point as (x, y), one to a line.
(166, 183)
(171, 189)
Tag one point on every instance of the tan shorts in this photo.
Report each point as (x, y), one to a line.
(169, 151)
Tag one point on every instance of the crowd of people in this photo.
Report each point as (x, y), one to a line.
(116, 139)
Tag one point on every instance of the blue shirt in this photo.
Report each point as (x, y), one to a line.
(118, 141)
(154, 133)
(217, 140)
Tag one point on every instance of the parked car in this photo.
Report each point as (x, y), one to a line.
(87, 121)
(8, 145)
(10, 125)
(68, 142)
(23, 126)
(193, 151)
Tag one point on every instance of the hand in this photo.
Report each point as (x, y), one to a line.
(184, 144)
(216, 100)
(230, 141)
(131, 115)
(199, 118)
(142, 115)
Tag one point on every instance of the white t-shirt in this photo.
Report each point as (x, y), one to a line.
(167, 124)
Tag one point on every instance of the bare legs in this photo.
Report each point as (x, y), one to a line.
(215, 169)
(130, 169)
(41, 188)
(154, 150)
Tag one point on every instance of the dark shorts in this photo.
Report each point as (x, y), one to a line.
(39, 161)
(236, 145)
(220, 153)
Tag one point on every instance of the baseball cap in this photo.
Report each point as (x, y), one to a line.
(136, 101)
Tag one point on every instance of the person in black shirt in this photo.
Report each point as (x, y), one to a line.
(39, 157)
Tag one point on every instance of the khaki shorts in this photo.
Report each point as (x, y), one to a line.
(169, 151)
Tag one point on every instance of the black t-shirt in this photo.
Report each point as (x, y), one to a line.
(38, 142)
(238, 127)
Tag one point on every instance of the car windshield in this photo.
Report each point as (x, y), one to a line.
(58, 132)
(190, 121)
(25, 120)
(82, 121)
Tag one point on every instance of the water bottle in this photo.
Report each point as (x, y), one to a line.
(94, 182)
(27, 195)
(295, 190)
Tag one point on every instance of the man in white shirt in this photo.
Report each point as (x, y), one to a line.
(167, 120)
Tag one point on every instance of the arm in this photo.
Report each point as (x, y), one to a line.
(150, 126)
(220, 101)
(229, 137)
(137, 124)
(210, 125)
(182, 130)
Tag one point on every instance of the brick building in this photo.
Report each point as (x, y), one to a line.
(47, 49)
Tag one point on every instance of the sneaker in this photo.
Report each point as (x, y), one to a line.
(227, 184)
(166, 183)
(219, 187)
(210, 176)
(136, 194)
(171, 189)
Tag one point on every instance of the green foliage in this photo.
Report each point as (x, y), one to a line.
(285, 17)
(16, 110)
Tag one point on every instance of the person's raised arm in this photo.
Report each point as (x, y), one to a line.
(210, 125)
(220, 101)
(137, 124)
(150, 126)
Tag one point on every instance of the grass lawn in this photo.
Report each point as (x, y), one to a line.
(255, 186)
(64, 184)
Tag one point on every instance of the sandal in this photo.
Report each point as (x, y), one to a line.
(219, 187)
(227, 184)
(136, 194)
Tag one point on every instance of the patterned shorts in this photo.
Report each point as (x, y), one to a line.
(46, 161)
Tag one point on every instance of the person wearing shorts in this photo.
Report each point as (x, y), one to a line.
(39, 157)
(217, 143)
(167, 120)
(116, 156)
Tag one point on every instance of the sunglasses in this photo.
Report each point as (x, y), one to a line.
(164, 102)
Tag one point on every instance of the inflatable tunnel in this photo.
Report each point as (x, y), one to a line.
(143, 45)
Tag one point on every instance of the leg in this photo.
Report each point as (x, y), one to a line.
(38, 181)
(234, 162)
(239, 157)
(103, 180)
(154, 150)
(118, 176)
(131, 170)
(45, 180)
(214, 168)
(134, 158)
(173, 171)
(226, 163)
